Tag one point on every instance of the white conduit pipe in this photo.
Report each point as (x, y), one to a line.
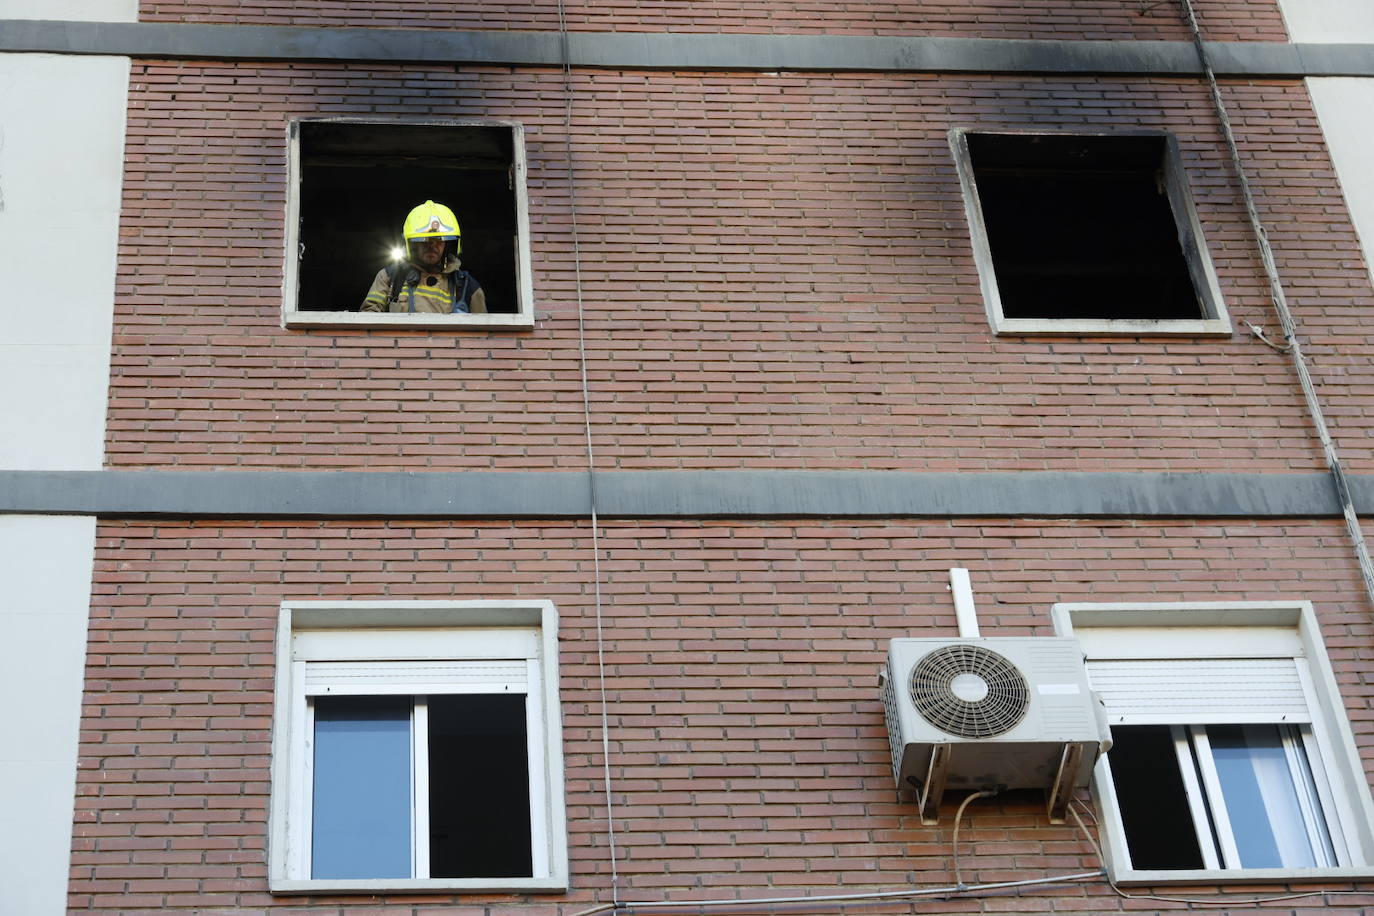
(836, 898)
(1290, 331)
(964, 611)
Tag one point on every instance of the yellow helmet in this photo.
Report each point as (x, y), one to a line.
(432, 221)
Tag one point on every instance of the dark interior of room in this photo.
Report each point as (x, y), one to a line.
(1082, 227)
(358, 182)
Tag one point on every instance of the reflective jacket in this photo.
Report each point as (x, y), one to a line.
(453, 290)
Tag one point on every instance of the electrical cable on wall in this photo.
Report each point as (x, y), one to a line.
(969, 890)
(1286, 321)
(956, 891)
(958, 819)
(591, 454)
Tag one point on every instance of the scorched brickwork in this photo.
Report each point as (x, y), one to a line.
(776, 273)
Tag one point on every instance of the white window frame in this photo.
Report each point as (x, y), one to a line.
(1214, 322)
(1202, 784)
(1243, 630)
(523, 317)
(377, 639)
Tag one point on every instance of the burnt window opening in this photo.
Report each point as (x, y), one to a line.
(354, 182)
(1092, 231)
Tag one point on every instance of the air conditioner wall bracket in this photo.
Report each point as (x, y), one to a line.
(1062, 791)
(933, 787)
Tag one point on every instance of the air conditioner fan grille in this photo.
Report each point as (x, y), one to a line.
(969, 691)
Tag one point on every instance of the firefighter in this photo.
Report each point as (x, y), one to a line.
(430, 278)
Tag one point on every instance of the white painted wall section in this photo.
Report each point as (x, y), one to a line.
(1345, 106)
(69, 10)
(61, 165)
(1333, 21)
(44, 607)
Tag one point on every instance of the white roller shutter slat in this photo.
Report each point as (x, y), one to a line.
(415, 676)
(1200, 691)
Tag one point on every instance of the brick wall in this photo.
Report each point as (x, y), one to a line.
(776, 269)
(776, 273)
(749, 754)
(1044, 19)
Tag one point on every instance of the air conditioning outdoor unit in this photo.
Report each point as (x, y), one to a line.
(1003, 713)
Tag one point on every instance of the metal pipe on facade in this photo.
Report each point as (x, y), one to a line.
(1286, 321)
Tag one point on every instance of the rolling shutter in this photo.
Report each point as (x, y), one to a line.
(429, 676)
(1201, 690)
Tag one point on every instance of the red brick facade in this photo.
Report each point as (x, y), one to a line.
(1100, 20)
(776, 274)
(748, 751)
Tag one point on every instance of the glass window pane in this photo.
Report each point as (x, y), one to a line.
(361, 814)
(1261, 793)
(479, 787)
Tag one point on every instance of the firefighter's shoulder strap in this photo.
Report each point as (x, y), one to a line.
(399, 278)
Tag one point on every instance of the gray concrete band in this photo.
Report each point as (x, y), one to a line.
(672, 494)
(657, 51)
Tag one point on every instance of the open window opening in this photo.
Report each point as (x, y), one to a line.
(1221, 796)
(354, 182)
(479, 747)
(1086, 234)
(1153, 801)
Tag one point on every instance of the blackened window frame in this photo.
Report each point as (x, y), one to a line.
(1213, 320)
(523, 315)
